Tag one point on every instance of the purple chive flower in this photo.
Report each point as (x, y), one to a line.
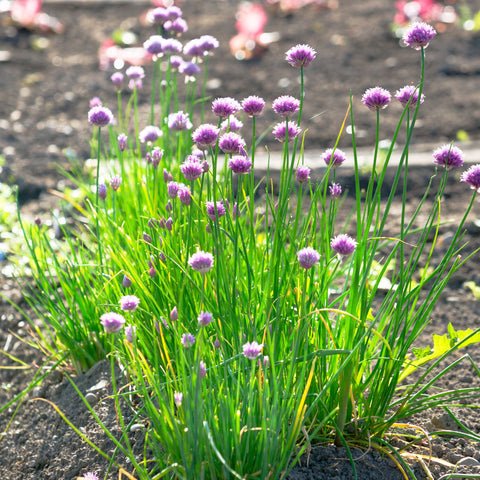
(333, 158)
(189, 69)
(147, 238)
(158, 15)
(152, 272)
(200, 154)
(154, 45)
(218, 209)
(240, 164)
(171, 45)
(205, 136)
(117, 79)
(176, 61)
(231, 124)
(205, 318)
(343, 244)
(472, 177)
(252, 350)
(448, 156)
(90, 476)
(418, 35)
(130, 332)
(157, 154)
(202, 369)
(201, 262)
(253, 106)
(191, 169)
(179, 121)
(300, 55)
(286, 105)
(205, 166)
(177, 26)
(335, 190)
(102, 191)
(115, 182)
(169, 224)
(173, 12)
(185, 195)
(100, 116)
(224, 107)
(302, 174)
(230, 143)
(216, 343)
(95, 102)
(406, 93)
(112, 322)
(308, 257)
(281, 133)
(194, 48)
(126, 282)
(178, 398)
(376, 98)
(136, 74)
(129, 303)
(208, 43)
(150, 134)
(122, 142)
(174, 314)
(172, 189)
(188, 340)
(167, 176)
(169, 206)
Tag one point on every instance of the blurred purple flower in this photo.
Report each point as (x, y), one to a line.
(205, 136)
(252, 350)
(334, 158)
(343, 244)
(218, 209)
(253, 106)
(231, 124)
(472, 177)
(95, 102)
(150, 134)
(202, 369)
(191, 169)
(281, 133)
(178, 398)
(172, 189)
(307, 257)
(129, 303)
(115, 182)
(205, 318)
(185, 195)
(418, 35)
(201, 262)
(174, 314)
(240, 164)
(179, 121)
(154, 45)
(302, 174)
(122, 142)
(126, 282)
(102, 191)
(112, 322)
(335, 190)
(100, 116)
(188, 340)
(117, 79)
(130, 332)
(406, 93)
(286, 105)
(224, 107)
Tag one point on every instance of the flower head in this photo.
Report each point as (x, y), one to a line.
(102, 191)
(158, 15)
(190, 69)
(115, 182)
(185, 195)
(194, 48)
(409, 93)
(172, 189)
(112, 322)
(472, 177)
(177, 26)
(448, 156)
(129, 303)
(300, 55)
(100, 116)
(117, 79)
(136, 74)
(224, 107)
(205, 136)
(126, 282)
(308, 257)
(231, 143)
(208, 43)
(286, 105)
(333, 158)
(188, 340)
(205, 318)
(89, 476)
(179, 121)
(302, 174)
(171, 45)
(253, 106)
(122, 142)
(95, 102)
(174, 314)
(130, 332)
(343, 245)
(376, 98)
(154, 45)
(252, 350)
(215, 210)
(191, 168)
(231, 124)
(282, 134)
(202, 369)
(418, 35)
(150, 134)
(240, 164)
(335, 190)
(201, 262)
(178, 398)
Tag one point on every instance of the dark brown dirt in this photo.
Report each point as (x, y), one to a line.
(43, 107)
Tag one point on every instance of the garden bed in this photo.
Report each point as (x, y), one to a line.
(44, 106)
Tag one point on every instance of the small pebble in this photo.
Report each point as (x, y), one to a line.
(91, 398)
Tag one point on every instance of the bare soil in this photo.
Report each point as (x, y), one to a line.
(43, 106)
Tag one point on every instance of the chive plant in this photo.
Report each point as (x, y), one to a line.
(244, 320)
